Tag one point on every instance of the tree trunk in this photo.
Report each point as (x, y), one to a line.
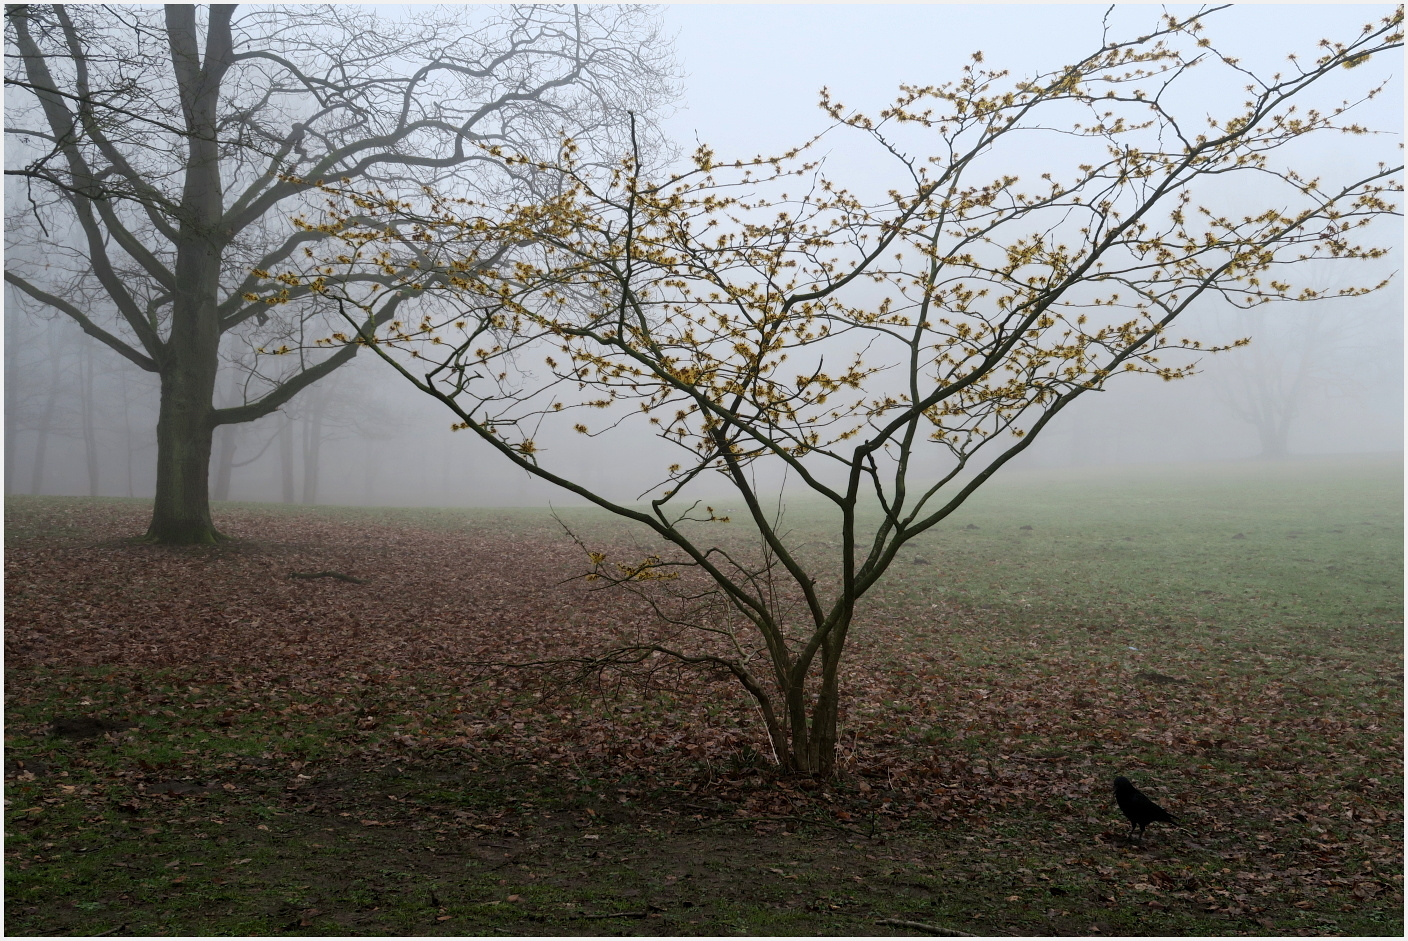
(286, 460)
(808, 745)
(11, 439)
(313, 445)
(222, 470)
(1274, 440)
(181, 513)
(813, 751)
(190, 358)
(127, 431)
(90, 434)
(41, 443)
(371, 473)
(805, 742)
(11, 397)
(46, 423)
(1271, 415)
(185, 425)
(312, 452)
(224, 467)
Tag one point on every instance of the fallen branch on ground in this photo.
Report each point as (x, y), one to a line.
(920, 926)
(346, 578)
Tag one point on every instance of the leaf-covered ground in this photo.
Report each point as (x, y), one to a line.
(199, 742)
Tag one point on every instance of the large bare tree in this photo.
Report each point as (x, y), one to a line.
(159, 155)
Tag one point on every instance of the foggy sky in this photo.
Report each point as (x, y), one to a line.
(752, 77)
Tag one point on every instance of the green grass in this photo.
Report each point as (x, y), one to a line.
(1150, 560)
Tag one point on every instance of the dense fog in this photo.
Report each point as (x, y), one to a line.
(1322, 378)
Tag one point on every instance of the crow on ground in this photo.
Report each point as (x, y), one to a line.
(1139, 810)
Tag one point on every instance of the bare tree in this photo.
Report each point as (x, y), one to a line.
(163, 154)
(889, 353)
(345, 408)
(1326, 351)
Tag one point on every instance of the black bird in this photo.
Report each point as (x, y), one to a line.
(1137, 808)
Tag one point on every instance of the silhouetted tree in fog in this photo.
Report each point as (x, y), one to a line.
(1324, 353)
(162, 154)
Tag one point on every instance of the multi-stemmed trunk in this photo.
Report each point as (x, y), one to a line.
(812, 745)
(803, 732)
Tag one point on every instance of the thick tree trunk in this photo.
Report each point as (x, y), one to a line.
(181, 513)
(185, 425)
(191, 357)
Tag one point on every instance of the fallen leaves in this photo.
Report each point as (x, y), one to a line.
(1286, 785)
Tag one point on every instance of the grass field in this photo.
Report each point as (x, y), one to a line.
(198, 743)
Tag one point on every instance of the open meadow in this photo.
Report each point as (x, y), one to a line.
(231, 740)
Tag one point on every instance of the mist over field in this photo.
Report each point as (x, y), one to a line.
(989, 420)
(80, 420)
